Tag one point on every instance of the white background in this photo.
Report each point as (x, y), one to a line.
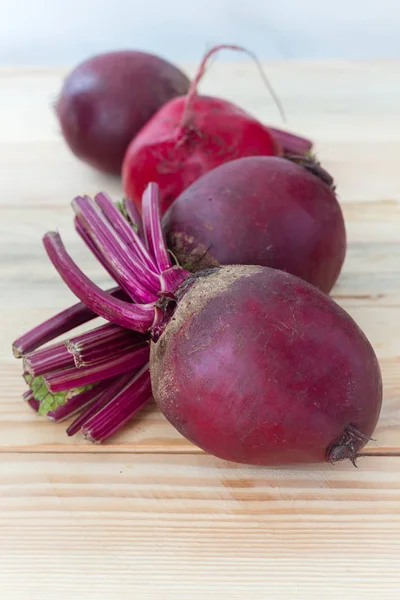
(61, 32)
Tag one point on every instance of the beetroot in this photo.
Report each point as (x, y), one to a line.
(108, 98)
(257, 366)
(190, 136)
(261, 211)
(252, 364)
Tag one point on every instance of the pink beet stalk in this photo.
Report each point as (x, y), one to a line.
(31, 400)
(76, 403)
(136, 317)
(72, 377)
(153, 229)
(102, 344)
(121, 408)
(127, 234)
(47, 359)
(68, 319)
(110, 361)
(111, 390)
(81, 230)
(121, 262)
(170, 277)
(186, 117)
(134, 217)
(292, 143)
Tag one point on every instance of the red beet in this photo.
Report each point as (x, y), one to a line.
(261, 211)
(259, 367)
(188, 137)
(108, 98)
(252, 364)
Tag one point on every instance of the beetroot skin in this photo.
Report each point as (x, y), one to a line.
(257, 366)
(261, 211)
(108, 98)
(174, 155)
(192, 135)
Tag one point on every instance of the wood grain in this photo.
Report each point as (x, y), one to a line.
(172, 527)
(149, 516)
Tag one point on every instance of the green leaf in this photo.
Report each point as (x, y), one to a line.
(51, 402)
(48, 400)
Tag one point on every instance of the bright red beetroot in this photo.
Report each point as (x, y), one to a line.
(108, 98)
(191, 135)
(252, 364)
(261, 211)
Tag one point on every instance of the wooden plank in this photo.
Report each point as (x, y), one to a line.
(174, 527)
(149, 516)
(48, 175)
(377, 221)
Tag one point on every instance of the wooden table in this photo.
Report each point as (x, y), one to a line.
(148, 516)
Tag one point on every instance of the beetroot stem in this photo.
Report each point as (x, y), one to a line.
(136, 317)
(31, 400)
(48, 359)
(291, 143)
(120, 409)
(111, 390)
(80, 228)
(127, 234)
(88, 357)
(134, 217)
(187, 112)
(83, 230)
(77, 403)
(102, 344)
(123, 263)
(73, 377)
(112, 358)
(152, 227)
(107, 333)
(64, 321)
(170, 277)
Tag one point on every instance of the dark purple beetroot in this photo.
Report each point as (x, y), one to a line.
(257, 366)
(260, 210)
(108, 98)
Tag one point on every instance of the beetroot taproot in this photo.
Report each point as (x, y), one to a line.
(191, 135)
(261, 211)
(108, 98)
